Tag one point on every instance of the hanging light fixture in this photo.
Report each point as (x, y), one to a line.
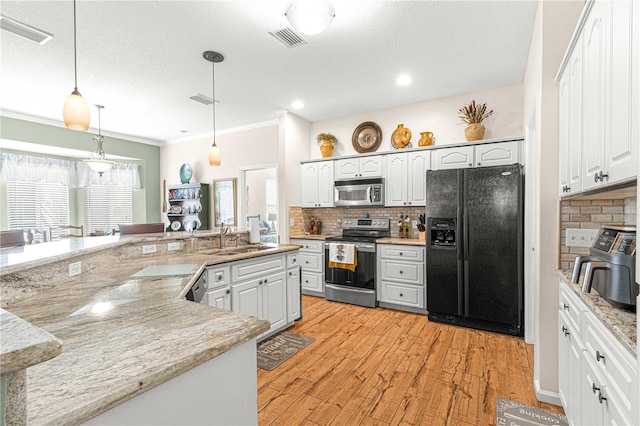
(214, 151)
(75, 111)
(99, 162)
(310, 16)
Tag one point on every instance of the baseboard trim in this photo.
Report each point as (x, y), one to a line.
(546, 396)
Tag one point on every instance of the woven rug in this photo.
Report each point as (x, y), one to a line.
(511, 413)
(279, 348)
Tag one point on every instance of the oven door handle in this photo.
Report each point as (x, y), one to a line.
(348, 289)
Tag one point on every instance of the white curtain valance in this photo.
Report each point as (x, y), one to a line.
(27, 168)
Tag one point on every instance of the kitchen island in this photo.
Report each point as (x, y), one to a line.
(123, 336)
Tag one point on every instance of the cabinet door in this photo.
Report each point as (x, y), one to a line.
(497, 154)
(563, 362)
(594, 39)
(371, 166)
(246, 298)
(453, 158)
(274, 300)
(293, 294)
(309, 184)
(564, 110)
(621, 160)
(347, 168)
(220, 298)
(417, 165)
(575, 120)
(325, 184)
(591, 406)
(396, 180)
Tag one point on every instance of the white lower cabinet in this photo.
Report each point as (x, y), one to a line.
(219, 286)
(598, 379)
(401, 277)
(294, 303)
(311, 262)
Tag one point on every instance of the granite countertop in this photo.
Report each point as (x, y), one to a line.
(405, 241)
(311, 237)
(124, 335)
(621, 323)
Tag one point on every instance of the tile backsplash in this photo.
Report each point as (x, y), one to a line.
(590, 214)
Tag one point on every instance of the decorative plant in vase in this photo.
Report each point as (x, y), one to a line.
(326, 141)
(474, 114)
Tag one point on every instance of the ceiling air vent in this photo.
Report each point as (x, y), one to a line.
(289, 37)
(24, 30)
(202, 99)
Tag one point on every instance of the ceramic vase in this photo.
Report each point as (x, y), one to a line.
(326, 148)
(474, 132)
(426, 139)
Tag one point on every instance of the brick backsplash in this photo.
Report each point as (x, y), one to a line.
(329, 217)
(590, 214)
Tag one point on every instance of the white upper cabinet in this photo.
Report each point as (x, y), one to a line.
(316, 184)
(405, 178)
(599, 99)
(481, 155)
(359, 167)
(458, 157)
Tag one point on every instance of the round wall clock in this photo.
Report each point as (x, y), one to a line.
(367, 137)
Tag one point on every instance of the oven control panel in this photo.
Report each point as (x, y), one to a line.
(366, 223)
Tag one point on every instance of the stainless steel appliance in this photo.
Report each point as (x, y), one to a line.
(474, 238)
(198, 290)
(359, 192)
(357, 287)
(611, 266)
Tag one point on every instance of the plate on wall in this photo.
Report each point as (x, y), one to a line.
(367, 137)
(175, 225)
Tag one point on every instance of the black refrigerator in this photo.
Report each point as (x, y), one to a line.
(474, 238)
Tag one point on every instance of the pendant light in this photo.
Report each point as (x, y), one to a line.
(214, 151)
(99, 163)
(75, 111)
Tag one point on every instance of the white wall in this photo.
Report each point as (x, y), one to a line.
(439, 116)
(553, 27)
(256, 191)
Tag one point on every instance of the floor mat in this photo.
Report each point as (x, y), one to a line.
(279, 348)
(511, 413)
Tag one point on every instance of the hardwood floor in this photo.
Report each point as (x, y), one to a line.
(385, 367)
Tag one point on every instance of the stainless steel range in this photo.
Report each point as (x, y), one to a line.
(357, 286)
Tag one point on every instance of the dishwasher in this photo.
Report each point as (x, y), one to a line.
(198, 290)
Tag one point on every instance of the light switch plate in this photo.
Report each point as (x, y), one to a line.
(291, 222)
(581, 237)
(148, 248)
(173, 246)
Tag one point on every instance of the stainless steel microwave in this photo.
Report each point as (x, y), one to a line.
(359, 192)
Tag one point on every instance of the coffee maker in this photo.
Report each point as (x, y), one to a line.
(611, 267)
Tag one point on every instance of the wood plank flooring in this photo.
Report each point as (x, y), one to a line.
(385, 367)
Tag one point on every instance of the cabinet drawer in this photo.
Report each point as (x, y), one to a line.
(292, 260)
(614, 362)
(571, 306)
(407, 272)
(401, 294)
(243, 270)
(311, 262)
(309, 246)
(312, 281)
(218, 276)
(401, 252)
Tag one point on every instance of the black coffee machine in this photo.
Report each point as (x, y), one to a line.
(611, 266)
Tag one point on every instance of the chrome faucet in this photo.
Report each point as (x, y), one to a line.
(223, 230)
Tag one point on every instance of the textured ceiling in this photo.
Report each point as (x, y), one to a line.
(143, 59)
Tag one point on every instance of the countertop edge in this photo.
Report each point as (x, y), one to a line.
(401, 241)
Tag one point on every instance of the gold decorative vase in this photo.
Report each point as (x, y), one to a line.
(474, 132)
(326, 148)
(401, 137)
(426, 139)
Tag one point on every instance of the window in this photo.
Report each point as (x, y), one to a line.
(37, 205)
(105, 207)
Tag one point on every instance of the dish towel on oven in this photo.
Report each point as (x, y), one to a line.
(343, 256)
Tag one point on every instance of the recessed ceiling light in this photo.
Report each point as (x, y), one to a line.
(297, 105)
(403, 80)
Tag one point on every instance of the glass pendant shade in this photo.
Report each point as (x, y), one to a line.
(310, 16)
(214, 155)
(99, 166)
(76, 112)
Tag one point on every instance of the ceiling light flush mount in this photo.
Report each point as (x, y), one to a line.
(404, 80)
(99, 162)
(214, 151)
(75, 111)
(310, 16)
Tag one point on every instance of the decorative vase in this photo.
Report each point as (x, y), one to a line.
(326, 148)
(474, 132)
(426, 139)
(401, 137)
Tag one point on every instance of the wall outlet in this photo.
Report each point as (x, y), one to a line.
(292, 222)
(414, 224)
(581, 237)
(75, 268)
(148, 248)
(173, 246)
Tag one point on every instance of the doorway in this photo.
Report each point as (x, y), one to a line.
(258, 190)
